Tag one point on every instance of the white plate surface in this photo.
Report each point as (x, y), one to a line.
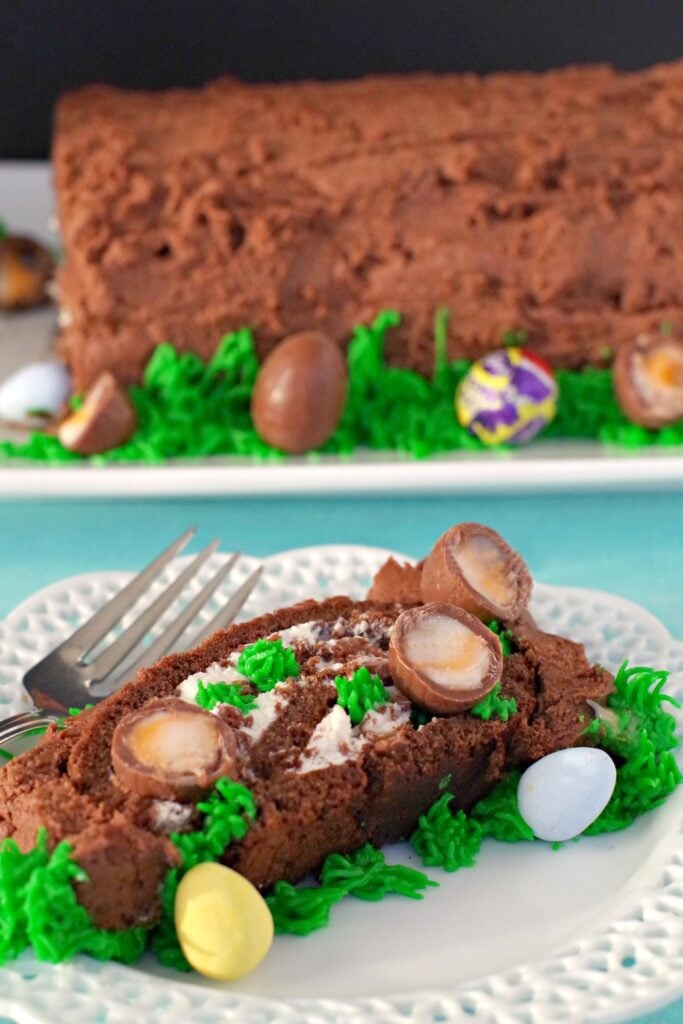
(26, 203)
(592, 933)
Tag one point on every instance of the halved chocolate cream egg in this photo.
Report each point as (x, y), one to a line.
(648, 380)
(443, 658)
(471, 566)
(171, 750)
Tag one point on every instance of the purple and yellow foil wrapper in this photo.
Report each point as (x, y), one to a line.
(507, 397)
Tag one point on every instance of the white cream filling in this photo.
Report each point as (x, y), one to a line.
(309, 632)
(385, 720)
(179, 742)
(606, 715)
(482, 563)
(335, 740)
(305, 632)
(215, 673)
(270, 705)
(658, 377)
(64, 317)
(332, 742)
(448, 652)
(327, 666)
(169, 815)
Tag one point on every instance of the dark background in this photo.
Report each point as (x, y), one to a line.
(48, 46)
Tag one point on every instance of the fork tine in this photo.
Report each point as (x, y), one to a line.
(124, 644)
(164, 642)
(92, 631)
(226, 614)
(21, 724)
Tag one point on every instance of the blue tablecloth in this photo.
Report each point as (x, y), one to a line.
(628, 544)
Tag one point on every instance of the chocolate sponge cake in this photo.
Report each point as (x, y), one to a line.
(549, 203)
(325, 776)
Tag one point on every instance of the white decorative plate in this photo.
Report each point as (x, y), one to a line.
(592, 932)
(26, 204)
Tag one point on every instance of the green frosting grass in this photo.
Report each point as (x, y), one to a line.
(365, 874)
(498, 813)
(267, 663)
(188, 408)
(641, 737)
(588, 410)
(445, 839)
(209, 695)
(228, 812)
(507, 642)
(494, 705)
(38, 907)
(361, 693)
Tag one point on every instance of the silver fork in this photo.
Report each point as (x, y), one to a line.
(64, 678)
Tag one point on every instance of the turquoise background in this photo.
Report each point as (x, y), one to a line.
(629, 544)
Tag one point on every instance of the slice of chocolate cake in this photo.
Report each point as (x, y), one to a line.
(302, 708)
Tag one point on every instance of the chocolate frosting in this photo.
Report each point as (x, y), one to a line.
(545, 202)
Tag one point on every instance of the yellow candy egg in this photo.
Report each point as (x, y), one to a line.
(223, 923)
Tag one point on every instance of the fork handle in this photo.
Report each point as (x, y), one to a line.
(21, 725)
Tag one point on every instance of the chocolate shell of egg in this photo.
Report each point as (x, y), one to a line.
(106, 420)
(471, 566)
(648, 380)
(300, 392)
(172, 750)
(26, 268)
(443, 658)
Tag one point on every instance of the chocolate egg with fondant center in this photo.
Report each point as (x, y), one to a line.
(471, 566)
(105, 420)
(172, 750)
(300, 392)
(444, 659)
(26, 267)
(648, 380)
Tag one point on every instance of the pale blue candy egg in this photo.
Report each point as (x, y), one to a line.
(34, 393)
(563, 793)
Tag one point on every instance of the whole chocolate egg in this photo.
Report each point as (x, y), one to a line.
(300, 392)
(506, 397)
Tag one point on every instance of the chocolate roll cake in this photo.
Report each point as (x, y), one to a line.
(327, 773)
(549, 203)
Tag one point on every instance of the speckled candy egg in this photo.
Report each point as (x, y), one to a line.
(507, 397)
(563, 793)
(34, 393)
(223, 923)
